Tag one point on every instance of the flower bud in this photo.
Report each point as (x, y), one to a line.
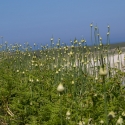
(60, 88)
(103, 71)
(68, 113)
(120, 121)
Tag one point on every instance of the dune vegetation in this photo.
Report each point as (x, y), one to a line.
(62, 85)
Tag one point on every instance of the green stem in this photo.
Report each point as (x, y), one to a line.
(105, 101)
(61, 111)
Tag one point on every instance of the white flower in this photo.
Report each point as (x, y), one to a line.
(91, 25)
(54, 66)
(67, 117)
(108, 33)
(103, 71)
(95, 94)
(60, 88)
(31, 80)
(71, 53)
(119, 121)
(41, 64)
(96, 78)
(84, 46)
(64, 59)
(120, 52)
(51, 39)
(96, 27)
(82, 41)
(53, 58)
(82, 61)
(111, 114)
(123, 114)
(89, 121)
(72, 46)
(100, 38)
(73, 82)
(102, 122)
(32, 61)
(74, 66)
(81, 123)
(100, 45)
(68, 113)
(118, 61)
(17, 71)
(37, 80)
(36, 65)
(75, 41)
(95, 60)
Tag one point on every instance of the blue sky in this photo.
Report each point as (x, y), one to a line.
(35, 21)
